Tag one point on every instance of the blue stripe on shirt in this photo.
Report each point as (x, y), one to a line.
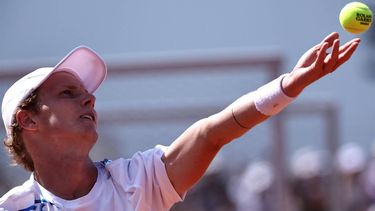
(41, 202)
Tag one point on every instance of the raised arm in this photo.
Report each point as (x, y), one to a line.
(188, 157)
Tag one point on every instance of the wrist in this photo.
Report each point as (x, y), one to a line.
(271, 98)
(288, 87)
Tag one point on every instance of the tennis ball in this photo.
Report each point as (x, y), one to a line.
(356, 17)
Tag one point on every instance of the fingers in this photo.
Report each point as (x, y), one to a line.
(348, 44)
(331, 59)
(339, 55)
(318, 59)
(346, 52)
(321, 54)
(331, 38)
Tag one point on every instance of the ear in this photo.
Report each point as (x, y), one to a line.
(25, 120)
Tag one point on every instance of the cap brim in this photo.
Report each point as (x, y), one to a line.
(85, 64)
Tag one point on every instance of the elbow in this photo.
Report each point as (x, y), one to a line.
(215, 137)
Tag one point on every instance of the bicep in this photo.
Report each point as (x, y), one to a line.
(189, 156)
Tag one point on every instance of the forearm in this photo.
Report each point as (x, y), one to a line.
(189, 156)
(253, 108)
(235, 120)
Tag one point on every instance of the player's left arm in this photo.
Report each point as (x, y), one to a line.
(189, 155)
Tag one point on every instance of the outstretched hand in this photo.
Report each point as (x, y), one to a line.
(316, 63)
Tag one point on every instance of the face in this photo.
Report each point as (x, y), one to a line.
(67, 114)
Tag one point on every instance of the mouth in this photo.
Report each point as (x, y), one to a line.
(88, 116)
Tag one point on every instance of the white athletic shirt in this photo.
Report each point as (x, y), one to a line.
(140, 183)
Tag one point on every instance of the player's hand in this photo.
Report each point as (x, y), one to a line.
(316, 63)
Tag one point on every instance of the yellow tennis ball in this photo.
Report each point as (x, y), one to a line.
(356, 17)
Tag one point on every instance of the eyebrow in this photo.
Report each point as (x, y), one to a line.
(70, 86)
(74, 87)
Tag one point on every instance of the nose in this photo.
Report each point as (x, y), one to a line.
(89, 100)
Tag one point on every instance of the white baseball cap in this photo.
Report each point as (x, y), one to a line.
(82, 62)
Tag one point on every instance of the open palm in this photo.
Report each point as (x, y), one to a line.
(316, 62)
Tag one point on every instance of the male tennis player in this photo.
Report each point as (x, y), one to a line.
(51, 126)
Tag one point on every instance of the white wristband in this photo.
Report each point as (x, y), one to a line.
(270, 98)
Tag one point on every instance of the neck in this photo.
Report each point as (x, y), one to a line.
(70, 179)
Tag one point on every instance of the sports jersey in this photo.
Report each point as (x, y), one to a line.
(140, 183)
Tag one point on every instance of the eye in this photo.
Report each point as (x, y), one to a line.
(67, 92)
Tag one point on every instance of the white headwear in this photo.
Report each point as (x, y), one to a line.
(82, 62)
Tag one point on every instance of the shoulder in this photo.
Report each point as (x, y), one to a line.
(139, 162)
(140, 168)
(18, 196)
(144, 177)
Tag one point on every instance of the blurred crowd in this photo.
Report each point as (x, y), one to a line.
(315, 181)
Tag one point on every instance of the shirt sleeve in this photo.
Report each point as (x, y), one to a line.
(144, 178)
(18, 198)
